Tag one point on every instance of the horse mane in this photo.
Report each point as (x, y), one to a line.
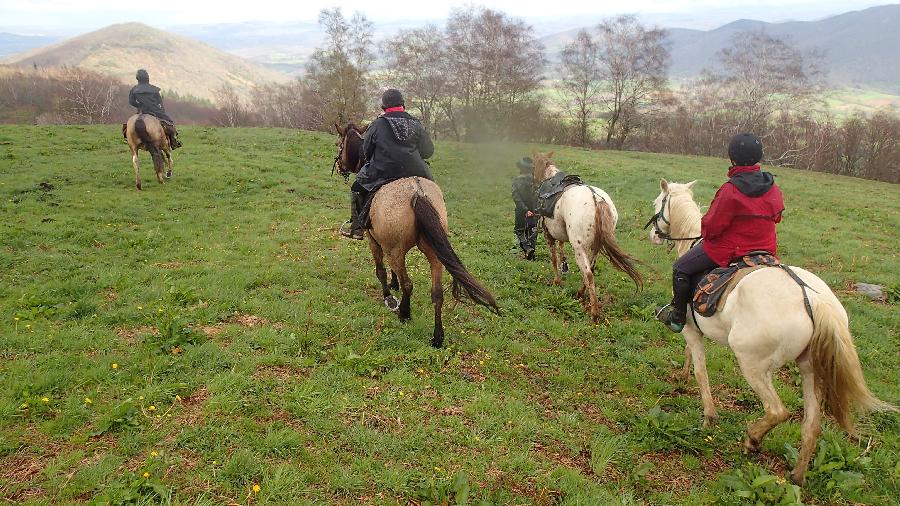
(684, 213)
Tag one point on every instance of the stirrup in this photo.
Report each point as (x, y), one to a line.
(664, 315)
(350, 233)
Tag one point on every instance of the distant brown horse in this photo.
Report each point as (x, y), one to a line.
(144, 131)
(348, 143)
(411, 212)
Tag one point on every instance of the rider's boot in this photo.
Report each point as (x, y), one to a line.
(674, 315)
(352, 228)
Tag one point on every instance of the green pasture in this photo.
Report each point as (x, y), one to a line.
(213, 340)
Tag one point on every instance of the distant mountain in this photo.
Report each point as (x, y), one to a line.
(861, 47)
(11, 43)
(176, 63)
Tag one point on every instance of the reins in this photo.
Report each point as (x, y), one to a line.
(661, 215)
(339, 159)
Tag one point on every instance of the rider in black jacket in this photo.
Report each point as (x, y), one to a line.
(146, 98)
(394, 146)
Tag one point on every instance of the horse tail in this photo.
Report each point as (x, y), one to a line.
(464, 283)
(836, 366)
(140, 128)
(605, 242)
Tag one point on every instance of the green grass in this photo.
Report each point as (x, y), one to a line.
(215, 334)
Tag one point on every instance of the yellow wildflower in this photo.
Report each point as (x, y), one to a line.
(140, 308)
(152, 407)
(153, 454)
(256, 488)
(87, 400)
(115, 365)
(146, 474)
(45, 399)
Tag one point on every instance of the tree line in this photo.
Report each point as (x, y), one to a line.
(484, 76)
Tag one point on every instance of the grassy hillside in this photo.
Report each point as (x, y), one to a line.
(175, 63)
(197, 339)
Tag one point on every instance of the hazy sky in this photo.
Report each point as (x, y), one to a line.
(70, 16)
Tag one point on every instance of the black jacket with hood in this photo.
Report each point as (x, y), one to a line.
(394, 146)
(147, 99)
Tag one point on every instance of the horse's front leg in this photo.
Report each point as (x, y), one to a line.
(686, 368)
(395, 284)
(136, 164)
(695, 348)
(168, 163)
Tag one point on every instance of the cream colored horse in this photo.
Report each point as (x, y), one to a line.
(765, 323)
(585, 217)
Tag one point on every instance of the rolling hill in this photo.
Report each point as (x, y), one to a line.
(860, 47)
(12, 43)
(176, 63)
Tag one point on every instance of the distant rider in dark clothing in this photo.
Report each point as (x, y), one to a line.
(394, 146)
(146, 98)
(524, 197)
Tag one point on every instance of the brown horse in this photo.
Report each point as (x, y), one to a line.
(144, 131)
(349, 142)
(411, 212)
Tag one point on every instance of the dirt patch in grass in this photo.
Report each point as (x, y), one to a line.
(130, 334)
(592, 413)
(169, 265)
(248, 320)
(561, 456)
(192, 408)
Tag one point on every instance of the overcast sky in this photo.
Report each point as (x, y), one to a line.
(75, 16)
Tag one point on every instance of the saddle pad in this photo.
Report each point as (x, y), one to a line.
(714, 288)
(551, 190)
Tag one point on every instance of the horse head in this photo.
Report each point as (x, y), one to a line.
(662, 218)
(348, 143)
(542, 165)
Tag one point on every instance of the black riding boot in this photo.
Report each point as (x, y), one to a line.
(172, 134)
(674, 315)
(356, 229)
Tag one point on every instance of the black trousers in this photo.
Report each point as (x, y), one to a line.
(686, 272)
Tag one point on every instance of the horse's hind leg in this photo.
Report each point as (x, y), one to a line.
(397, 259)
(812, 419)
(136, 164)
(395, 284)
(168, 163)
(437, 291)
(759, 375)
(563, 264)
(585, 265)
(390, 301)
(554, 261)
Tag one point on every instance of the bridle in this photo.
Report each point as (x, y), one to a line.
(339, 159)
(661, 216)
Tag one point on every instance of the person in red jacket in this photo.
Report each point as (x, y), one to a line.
(741, 219)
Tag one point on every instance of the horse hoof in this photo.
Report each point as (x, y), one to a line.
(437, 341)
(168, 174)
(710, 420)
(564, 268)
(798, 478)
(392, 303)
(751, 446)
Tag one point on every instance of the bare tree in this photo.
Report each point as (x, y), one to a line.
(338, 72)
(759, 76)
(634, 63)
(415, 62)
(495, 64)
(232, 110)
(87, 97)
(581, 81)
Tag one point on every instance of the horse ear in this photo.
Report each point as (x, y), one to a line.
(550, 154)
(691, 184)
(664, 185)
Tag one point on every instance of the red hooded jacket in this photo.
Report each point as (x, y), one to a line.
(742, 216)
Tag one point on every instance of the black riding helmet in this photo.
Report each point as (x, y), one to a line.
(745, 149)
(142, 76)
(391, 98)
(525, 164)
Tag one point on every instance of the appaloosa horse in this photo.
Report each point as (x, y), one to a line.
(585, 217)
(144, 131)
(411, 212)
(766, 324)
